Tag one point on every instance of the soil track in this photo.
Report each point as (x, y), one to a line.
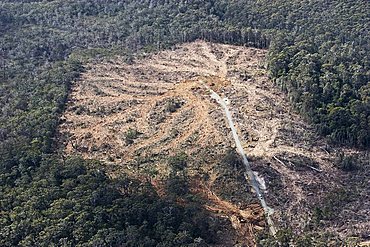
(136, 115)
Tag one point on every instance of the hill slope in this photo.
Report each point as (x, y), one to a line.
(318, 56)
(137, 116)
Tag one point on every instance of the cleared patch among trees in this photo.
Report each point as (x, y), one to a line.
(139, 116)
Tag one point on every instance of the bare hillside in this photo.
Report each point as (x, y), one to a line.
(135, 116)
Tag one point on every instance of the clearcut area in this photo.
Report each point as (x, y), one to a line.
(155, 117)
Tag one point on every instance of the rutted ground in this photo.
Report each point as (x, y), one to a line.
(136, 115)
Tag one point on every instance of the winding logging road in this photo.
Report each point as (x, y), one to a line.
(252, 179)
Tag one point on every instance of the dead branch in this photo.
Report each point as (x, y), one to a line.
(278, 160)
(315, 169)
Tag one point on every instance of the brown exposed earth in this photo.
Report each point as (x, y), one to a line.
(135, 116)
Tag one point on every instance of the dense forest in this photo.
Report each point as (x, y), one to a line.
(318, 55)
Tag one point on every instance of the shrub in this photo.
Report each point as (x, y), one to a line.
(178, 162)
(347, 162)
(131, 135)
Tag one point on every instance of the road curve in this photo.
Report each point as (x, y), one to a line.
(252, 179)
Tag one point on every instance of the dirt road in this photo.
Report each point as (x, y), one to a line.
(252, 179)
(134, 116)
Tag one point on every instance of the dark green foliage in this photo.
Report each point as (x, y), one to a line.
(348, 162)
(178, 162)
(70, 204)
(131, 135)
(319, 56)
(323, 68)
(177, 183)
(322, 63)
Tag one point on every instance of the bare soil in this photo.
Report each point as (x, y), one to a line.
(134, 116)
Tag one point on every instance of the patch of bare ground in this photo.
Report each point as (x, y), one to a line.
(134, 116)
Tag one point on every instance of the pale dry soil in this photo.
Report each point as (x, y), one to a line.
(136, 115)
